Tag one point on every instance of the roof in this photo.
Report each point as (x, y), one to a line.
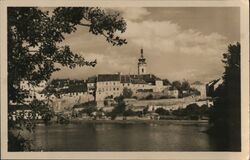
(213, 82)
(75, 88)
(108, 77)
(91, 79)
(197, 83)
(125, 79)
(138, 81)
(59, 83)
(71, 86)
(166, 82)
(149, 78)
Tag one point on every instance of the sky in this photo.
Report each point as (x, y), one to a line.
(178, 43)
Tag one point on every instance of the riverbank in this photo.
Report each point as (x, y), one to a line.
(76, 121)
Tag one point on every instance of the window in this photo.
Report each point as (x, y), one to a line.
(114, 89)
(106, 83)
(114, 83)
(142, 70)
(117, 89)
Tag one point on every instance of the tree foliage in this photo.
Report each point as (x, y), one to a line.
(166, 82)
(162, 111)
(35, 41)
(185, 85)
(226, 116)
(192, 111)
(127, 93)
(36, 49)
(176, 85)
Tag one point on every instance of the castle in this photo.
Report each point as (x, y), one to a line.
(101, 86)
(64, 94)
(112, 85)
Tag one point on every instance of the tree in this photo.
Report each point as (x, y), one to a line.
(193, 111)
(166, 82)
(149, 97)
(16, 142)
(129, 112)
(127, 93)
(145, 110)
(177, 85)
(35, 43)
(185, 85)
(226, 113)
(194, 91)
(35, 37)
(119, 108)
(162, 111)
(204, 110)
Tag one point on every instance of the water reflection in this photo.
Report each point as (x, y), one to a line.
(124, 137)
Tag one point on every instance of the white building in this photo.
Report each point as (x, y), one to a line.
(112, 85)
(108, 85)
(33, 91)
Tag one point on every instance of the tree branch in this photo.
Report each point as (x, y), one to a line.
(86, 25)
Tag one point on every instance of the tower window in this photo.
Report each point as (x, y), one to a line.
(142, 70)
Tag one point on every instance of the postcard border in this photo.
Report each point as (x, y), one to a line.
(244, 23)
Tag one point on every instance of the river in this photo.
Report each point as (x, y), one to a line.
(169, 136)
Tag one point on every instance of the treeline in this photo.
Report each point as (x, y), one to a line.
(225, 117)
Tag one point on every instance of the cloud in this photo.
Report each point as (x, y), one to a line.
(169, 37)
(178, 53)
(132, 13)
(171, 51)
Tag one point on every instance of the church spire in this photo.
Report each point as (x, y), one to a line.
(142, 53)
(142, 64)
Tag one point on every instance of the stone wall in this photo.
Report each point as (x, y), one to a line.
(168, 104)
(67, 102)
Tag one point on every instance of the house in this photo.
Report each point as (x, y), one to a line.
(32, 91)
(212, 86)
(108, 85)
(91, 84)
(201, 87)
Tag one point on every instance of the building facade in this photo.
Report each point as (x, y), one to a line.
(112, 85)
(32, 91)
(201, 87)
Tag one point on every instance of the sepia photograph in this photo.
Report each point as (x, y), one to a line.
(124, 79)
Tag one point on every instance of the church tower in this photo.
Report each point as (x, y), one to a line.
(142, 64)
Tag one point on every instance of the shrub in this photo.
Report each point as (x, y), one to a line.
(162, 111)
(149, 97)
